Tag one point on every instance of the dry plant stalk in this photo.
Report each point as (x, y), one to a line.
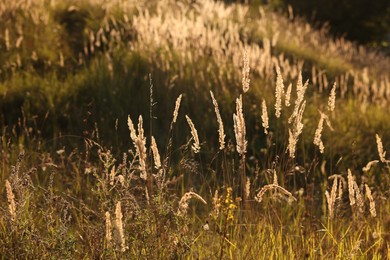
(247, 188)
(351, 190)
(185, 200)
(342, 184)
(279, 91)
(245, 71)
(372, 202)
(108, 229)
(264, 117)
(177, 106)
(156, 154)
(293, 135)
(317, 137)
(239, 128)
(332, 98)
(369, 165)
(139, 142)
(382, 153)
(194, 133)
(359, 197)
(288, 95)
(216, 204)
(112, 175)
(301, 89)
(120, 237)
(270, 187)
(331, 199)
(133, 133)
(275, 178)
(11, 200)
(355, 196)
(221, 131)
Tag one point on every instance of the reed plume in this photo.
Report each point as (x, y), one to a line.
(372, 202)
(369, 165)
(139, 142)
(317, 137)
(221, 131)
(11, 200)
(331, 198)
(177, 106)
(185, 200)
(279, 91)
(194, 133)
(264, 117)
(245, 71)
(351, 190)
(288, 95)
(120, 237)
(141, 148)
(381, 152)
(270, 187)
(293, 135)
(156, 154)
(108, 229)
(239, 128)
(301, 90)
(332, 98)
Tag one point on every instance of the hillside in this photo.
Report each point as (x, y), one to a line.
(75, 75)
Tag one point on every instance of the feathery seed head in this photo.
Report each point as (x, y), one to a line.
(317, 137)
(332, 98)
(221, 130)
(245, 72)
(288, 95)
(264, 117)
(194, 133)
(185, 200)
(108, 229)
(156, 154)
(351, 190)
(372, 202)
(382, 153)
(11, 200)
(120, 237)
(177, 106)
(279, 91)
(133, 134)
(239, 127)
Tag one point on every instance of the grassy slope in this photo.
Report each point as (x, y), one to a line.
(63, 78)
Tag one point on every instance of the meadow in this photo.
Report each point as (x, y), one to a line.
(188, 130)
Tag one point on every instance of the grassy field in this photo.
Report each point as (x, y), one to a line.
(188, 129)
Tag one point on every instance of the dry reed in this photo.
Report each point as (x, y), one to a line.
(288, 95)
(185, 200)
(317, 137)
(381, 152)
(156, 154)
(108, 229)
(120, 236)
(194, 133)
(221, 131)
(332, 98)
(177, 106)
(279, 91)
(245, 71)
(372, 202)
(11, 200)
(239, 128)
(264, 117)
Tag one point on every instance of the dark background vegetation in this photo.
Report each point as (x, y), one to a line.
(364, 21)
